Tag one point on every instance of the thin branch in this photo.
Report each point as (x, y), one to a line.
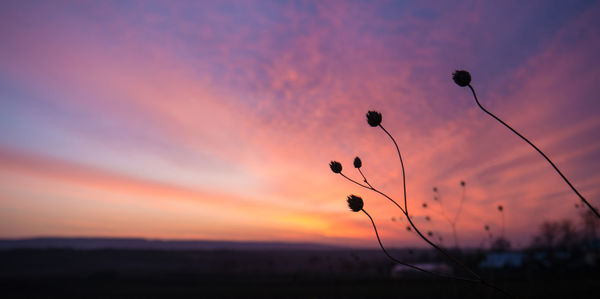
(364, 178)
(444, 252)
(375, 190)
(502, 212)
(457, 215)
(456, 261)
(409, 265)
(537, 149)
(401, 164)
(450, 221)
(441, 250)
(462, 200)
(453, 259)
(351, 180)
(455, 235)
(439, 201)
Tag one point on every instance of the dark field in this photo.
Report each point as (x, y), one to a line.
(59, 273)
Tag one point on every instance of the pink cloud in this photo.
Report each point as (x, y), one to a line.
(276, 104)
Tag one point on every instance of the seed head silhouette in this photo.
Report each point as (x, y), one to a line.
(355, 203)
(357, 162)
(335, 166)
(461, 77)
(374, 118)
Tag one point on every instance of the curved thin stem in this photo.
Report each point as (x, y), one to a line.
(453, 259)
(409, 265)
(438, 248)
(439, 201)
(457, 215)
(450, 221)
(377, 191)
(351, 180)
(453, 225)
(502, 234)
(537, 149)
(401, 164)
(457, 262)
(444, 252)
(364, 178)
(462, 200)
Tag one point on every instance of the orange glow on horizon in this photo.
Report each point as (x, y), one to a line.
(146, 122)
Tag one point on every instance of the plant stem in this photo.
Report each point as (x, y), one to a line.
(537, 149)
(450, 257)
(401, 164)
(462, 200)
(439, 201)
(409, 265)
(502, 234)
(456, 261)
(453, 225)
(458, 212)
(375, 190)
(364, 178)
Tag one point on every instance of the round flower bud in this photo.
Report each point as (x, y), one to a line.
(461, 77)
(335, 166)
(355, 203)
(374, 118)
(357, 162)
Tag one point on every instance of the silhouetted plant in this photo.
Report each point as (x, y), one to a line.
(501, 209)
(500, 244)
(489, 237)
(374, 119)
(356, 204)
(487, 229)
(452, 221)
(463, 78)
(357, 163)
(335, 166)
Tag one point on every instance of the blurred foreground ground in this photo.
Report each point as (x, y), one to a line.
(344, 273)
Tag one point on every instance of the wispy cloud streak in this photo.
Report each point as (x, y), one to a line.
(231, 112)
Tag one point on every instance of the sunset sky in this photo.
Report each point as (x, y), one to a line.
(217, 120)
